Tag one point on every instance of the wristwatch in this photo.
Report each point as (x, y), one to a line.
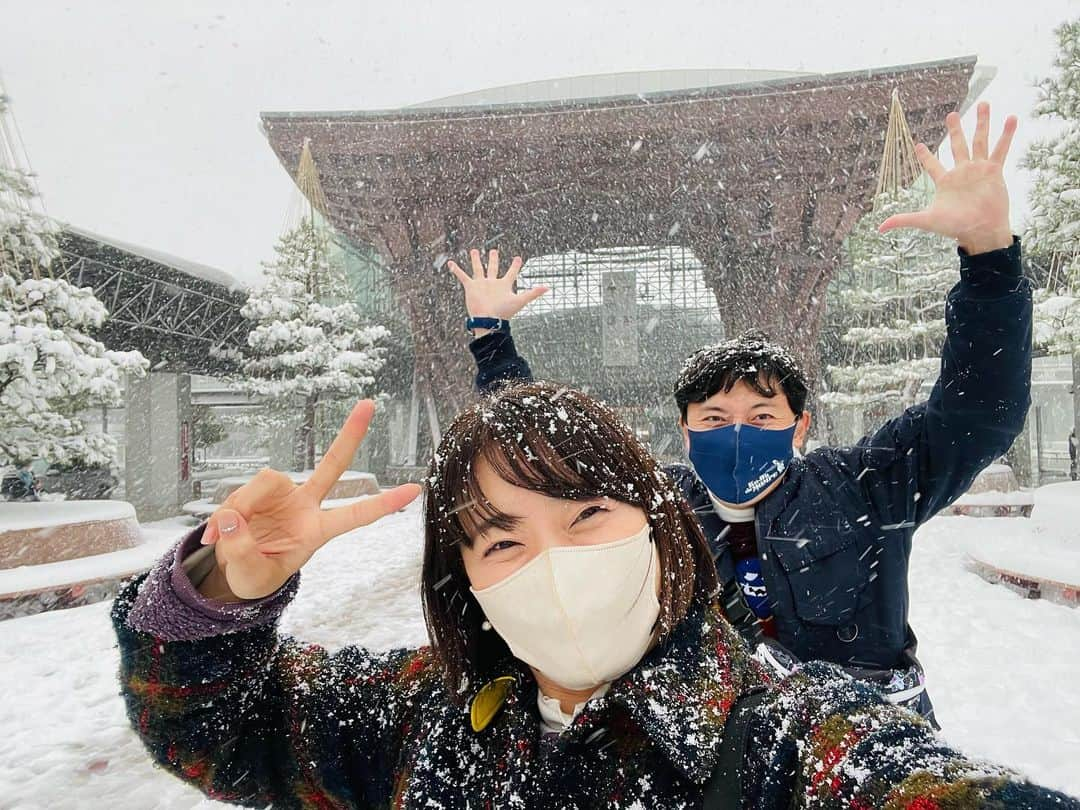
(491, 324)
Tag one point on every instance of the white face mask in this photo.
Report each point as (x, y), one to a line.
(582, 615)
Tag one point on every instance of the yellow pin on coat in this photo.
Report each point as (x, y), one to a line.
(488, 701)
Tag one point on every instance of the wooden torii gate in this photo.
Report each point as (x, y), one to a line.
(762, 181)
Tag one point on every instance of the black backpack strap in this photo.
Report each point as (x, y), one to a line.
(723, 791)
(738, 612)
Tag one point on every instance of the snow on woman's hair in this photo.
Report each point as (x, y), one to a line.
(563, 444)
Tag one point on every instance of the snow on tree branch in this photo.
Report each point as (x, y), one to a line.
(307, 343)
(1053, 230)
(51, 368)
(889, 304)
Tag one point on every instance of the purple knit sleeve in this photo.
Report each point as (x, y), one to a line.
(170, 608)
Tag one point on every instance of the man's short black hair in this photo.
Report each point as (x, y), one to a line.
(751, 357)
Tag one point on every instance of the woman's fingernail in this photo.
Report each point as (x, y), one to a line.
(227, 522)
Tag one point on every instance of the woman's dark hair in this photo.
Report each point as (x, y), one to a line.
(752, 358)
(564, 444)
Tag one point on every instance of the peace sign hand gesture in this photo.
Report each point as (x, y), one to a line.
(268, 529)
(971, 203)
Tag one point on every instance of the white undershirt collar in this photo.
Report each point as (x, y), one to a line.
(553, 720)
(732, 514)
(737, 514)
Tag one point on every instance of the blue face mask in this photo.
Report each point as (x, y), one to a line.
(738, 462)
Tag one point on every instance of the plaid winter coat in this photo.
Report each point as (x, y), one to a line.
(251, 717)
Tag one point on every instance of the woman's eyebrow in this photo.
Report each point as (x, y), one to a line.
(498, 520)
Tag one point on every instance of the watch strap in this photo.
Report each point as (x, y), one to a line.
(492, 324)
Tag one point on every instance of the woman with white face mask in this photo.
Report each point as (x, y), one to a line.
(578, 657)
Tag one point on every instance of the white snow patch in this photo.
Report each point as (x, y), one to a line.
(17, 516)
(996, 663)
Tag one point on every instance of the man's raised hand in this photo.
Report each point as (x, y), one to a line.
(489, 295)
(971, 203)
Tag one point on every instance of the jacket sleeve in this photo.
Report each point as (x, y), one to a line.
(248, 716)
(823, 740)
(497, 361)
(920, 462)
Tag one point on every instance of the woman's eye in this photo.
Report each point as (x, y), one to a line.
(589, 512)
(502, 545)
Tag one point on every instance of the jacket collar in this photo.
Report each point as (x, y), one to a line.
(681, 693)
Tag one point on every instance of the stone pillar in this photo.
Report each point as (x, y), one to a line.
(158, 444)
(282, 444)
(399, 431)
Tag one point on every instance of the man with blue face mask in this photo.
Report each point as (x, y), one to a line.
(812, 550)
(743, 415)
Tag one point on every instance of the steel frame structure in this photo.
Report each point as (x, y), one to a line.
(179, 322)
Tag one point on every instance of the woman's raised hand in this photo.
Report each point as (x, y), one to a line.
(268, 529)
(971, 203)
(487, 295)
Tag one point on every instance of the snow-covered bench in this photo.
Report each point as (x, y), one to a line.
(32, 533)
(72, 581)
(350, 486)
(1041, 558)
(994, 493)
(1027, 584)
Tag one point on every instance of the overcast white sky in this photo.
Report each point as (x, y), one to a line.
(141, 118)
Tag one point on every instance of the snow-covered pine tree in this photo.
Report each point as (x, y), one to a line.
(1054, 227)
(889, 302)
(307, 343)
(51, 369)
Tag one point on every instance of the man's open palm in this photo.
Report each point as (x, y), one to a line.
(971, 203)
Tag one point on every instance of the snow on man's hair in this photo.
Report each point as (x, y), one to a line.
(751, 358)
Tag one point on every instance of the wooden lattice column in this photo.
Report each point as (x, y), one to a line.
(417, 249)
(771, 261)
(771, 290)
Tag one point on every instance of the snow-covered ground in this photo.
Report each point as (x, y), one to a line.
(1051, 549)
(1003, 670)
